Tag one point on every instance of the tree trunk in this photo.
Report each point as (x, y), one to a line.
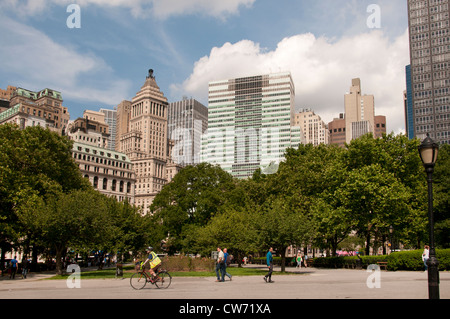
(2, 260)
(59, 264)
(368, 244)
(334, 246)
(283, 258)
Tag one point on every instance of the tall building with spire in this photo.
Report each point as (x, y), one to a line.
(429, 46)
(142, 134)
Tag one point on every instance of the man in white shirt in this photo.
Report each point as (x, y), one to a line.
(220, 266)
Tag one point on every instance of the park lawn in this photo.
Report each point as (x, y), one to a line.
(129, 270)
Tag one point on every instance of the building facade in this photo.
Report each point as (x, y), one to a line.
(109, 172)
(380, 126)
(89, 129)
(110, 119)
(314, 129)
(250, 123)
(359, 112)
(408, 104)
(43, 108)
(187, 122)
(359, 118)
(142, 134)
(5, 97)
(429, 44)
(337, 131)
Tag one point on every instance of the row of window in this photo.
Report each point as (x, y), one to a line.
(115, 186)
(100, 160)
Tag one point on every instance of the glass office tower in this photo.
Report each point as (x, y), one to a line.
(250, 123)
(429, 35)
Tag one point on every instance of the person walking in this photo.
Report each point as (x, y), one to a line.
(269, 261)
(220, 271)
(426, 256)
(299, 261)
(14, 265)
(227, 262)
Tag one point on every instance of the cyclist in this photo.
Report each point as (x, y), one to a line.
(154, 260)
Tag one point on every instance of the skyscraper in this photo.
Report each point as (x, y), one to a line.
(188, 120)
(142, 129)
(110, 119)
(250, 123)
(429, 43)
(359, 118)
(359, 112)
(409, 118)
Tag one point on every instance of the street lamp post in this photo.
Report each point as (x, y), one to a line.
(428, 151)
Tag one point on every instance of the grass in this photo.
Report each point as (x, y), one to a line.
(129, 270)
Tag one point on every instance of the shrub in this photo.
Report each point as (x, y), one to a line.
(402, 260)
(412, 260)
(184, 263)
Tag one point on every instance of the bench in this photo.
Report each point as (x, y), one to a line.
(382, 264)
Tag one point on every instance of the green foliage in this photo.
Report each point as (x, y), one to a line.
(46, 203)
(412, 260)
(441, 196)
(184, 263)
(194, 196)
(401, 260)
(319, 195)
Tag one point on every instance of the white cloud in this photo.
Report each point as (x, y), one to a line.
(321, 69)
(160, 9)
(216, 8)
(30, 57)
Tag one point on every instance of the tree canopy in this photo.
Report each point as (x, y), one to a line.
(319, 196)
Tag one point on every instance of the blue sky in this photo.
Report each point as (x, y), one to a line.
(323, 43)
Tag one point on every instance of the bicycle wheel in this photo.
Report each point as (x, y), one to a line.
(164, 279)
(138, 280)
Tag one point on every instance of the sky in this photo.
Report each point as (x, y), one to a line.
(100, 54)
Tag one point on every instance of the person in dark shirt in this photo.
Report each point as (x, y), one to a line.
(269, 260)
(14, 266)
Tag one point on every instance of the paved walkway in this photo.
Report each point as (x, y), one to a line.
(310, 283)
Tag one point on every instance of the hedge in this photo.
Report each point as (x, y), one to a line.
(402, 260)
(184, 263)
(412, 260)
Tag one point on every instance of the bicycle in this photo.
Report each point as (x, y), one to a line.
(162, 279)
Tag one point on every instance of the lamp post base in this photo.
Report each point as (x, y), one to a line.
(433, 278)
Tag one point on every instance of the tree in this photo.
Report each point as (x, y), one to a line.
(397, 156)
(193, 197)
(312, 174)
(232, 229)
(33, 162)
(374, 199)
(75, 219)
(441, 197)
(132, 232)
(285, 221)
